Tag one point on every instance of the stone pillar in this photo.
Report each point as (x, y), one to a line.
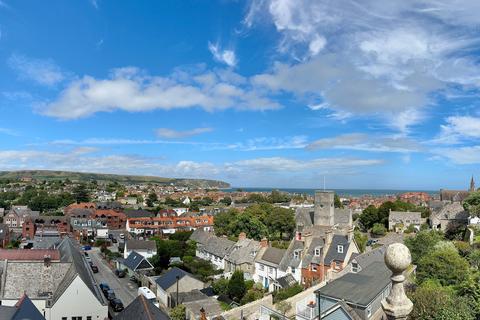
(397, 306)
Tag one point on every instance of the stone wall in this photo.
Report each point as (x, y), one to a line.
(250, 310)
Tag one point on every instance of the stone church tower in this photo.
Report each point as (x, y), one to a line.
(472, 185)
(324, 214)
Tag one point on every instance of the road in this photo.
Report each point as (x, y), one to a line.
(124, 289)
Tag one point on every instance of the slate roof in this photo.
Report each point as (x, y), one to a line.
(286, 281)
(342, 217)
(395, 216)
(288, 259)
(193, 295)
(141, 245)
(218, 246)
(310, 257)
(70, 253)
(272, 256)
(200, 236)
(136, 261)
(451, 211)
(138, 213)
(367, 258)
(333, 254)
(359, 288)
(244, 251)
(169, 278)
(141, 309)
(24, 309)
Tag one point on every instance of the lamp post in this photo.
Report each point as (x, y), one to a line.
(176, 302)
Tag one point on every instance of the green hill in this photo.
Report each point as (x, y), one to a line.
(82, 176)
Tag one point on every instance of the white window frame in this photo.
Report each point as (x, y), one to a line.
(317, 252)
(369, 311)
(340, 248)
(314, 267)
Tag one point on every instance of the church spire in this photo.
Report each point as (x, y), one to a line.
(472, 185)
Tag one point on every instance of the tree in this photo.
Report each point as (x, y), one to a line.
(444, 265)
(251, 225)
(280, 221)
(80, 193)
(220, 286)
(337, 202)
(472, 203)
(361, 240)
(226, 200)
(369, 217)
(236, 286)
(223, 221)
(178, 312)
(432, 301)
(379, 229)
(151, 199)
(422, 244)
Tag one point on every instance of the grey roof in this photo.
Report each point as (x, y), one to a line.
(210, 305)
(136, 261)
(286, 281)
(200, 236)
(367, 258)
(218, 246)
(304, 217)
(24, 309)
(244, 251)
(80, 212)
(404, 215)
(288, 259)
(71, 253)
(138, 213)
(141, 309)
(343, 217)
(310, 257)
(359, 288)
(451, 211)
(193, 295)
(272, 256)
(141, 244)
(169, 278)
(333, 254)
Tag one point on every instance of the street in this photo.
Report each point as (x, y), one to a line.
(124, 289)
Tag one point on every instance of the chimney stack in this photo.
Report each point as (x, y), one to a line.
(264, 243)
(47, 260)
(328, 237)
(242, 236)
(350, 233)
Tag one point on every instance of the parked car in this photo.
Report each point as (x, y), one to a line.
(94, 268)
(104, 287)
(88, 259)
(86, 248)
(110, 236)
(122, 236)
(371, 242)
(120, 273)
(110, 295)
(116, 304)
(114, 240)
(85, 253)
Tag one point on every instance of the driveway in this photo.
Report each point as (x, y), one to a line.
(124, 289)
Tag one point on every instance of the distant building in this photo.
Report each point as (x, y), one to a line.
(401, 220)
(450, 214)
(24, 309)
(167, 285)
(146, 248)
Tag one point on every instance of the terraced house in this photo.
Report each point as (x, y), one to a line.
(168, 225)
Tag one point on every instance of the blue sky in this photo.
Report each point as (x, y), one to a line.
(273, 93)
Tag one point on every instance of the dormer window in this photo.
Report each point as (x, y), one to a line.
(354, 266)
(296, 254)
(340, 248)
(317, 252)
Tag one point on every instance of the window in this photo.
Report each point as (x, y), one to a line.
(317, 252)
(354, 266)
(270, 270)
(314, 267)
(261, 267)
(340, 248)
(64, 318)
(369, 311)
(296, 254)
(89, 317)
(293, 270)
(76, 318)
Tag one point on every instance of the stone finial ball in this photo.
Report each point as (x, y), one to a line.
(397, 257)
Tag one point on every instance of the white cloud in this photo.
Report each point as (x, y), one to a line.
(9, 132)
(458, 129)
(224, 56)
(132, 90)
(175, 134)
(461, 155)
(44, 72)
(364, 142)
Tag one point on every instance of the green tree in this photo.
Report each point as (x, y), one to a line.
(223, 221)
(80, 193)
(251, 225)
(472, 203)
(369, 217)
(284, 307)
(152, 199)
(226, 200)
(280, 222)
(220, 286)
(178, 312)
(423, 243)
(337, 202)
(433, 302)
(379, 229)
(236, 286)
(444, 265)
(361, 240)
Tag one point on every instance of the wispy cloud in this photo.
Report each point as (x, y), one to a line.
(9, 132)
(43, 72)
(176, 134)
(225, 56)
(364, 142)
(458, 129)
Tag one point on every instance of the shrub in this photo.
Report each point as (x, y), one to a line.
(379, 229)
(286, 293)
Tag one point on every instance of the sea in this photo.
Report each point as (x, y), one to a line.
(340, 192)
